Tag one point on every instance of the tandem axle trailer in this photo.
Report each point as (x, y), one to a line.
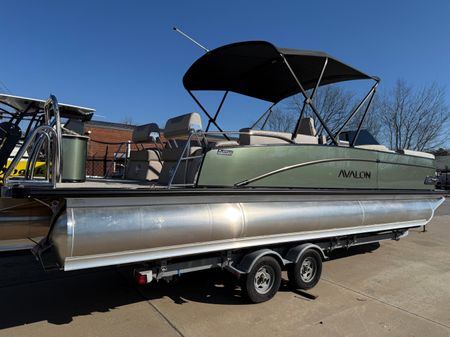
(259, 269)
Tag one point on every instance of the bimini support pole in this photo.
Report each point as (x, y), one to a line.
(309, 102)
(370, 94)
(297, 127)
(363, 118)
(211, 119)
(217, 112)
(267, 119)
(268, 111)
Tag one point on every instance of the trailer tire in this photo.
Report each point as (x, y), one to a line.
(306, 272)
(262, 282)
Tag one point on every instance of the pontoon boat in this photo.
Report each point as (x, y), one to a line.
(256, 193)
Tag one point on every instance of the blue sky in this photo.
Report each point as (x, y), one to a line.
(123, 58)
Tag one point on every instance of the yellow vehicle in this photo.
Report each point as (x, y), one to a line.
(21, 167)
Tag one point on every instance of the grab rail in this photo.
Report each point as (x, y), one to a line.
(52, 132)
(41, 130)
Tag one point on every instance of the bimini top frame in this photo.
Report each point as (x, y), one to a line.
(261, 70)
(33, 111)
(30, 106)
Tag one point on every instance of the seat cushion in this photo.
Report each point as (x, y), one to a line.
(262, 137)
(143, 170)
(225, 143)
(145, 155)
(376, 147)
(417, 153)
(181, 126)
(173, 154)
(145, 133)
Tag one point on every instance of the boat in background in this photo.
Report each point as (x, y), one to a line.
(23, 222)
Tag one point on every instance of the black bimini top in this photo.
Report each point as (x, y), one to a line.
(256, 69)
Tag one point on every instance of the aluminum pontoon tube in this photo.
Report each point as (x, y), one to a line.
(91, 235)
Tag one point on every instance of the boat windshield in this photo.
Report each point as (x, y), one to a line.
(364, 137)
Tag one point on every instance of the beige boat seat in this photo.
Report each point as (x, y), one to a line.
(225, 143)
(306, 139)
(375, 147)
(417, 153)
(144, 164)
(306, 127)
(146, 133)
(305, 135)
(262, 137)
(180, 128)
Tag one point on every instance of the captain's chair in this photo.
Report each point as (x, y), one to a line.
(177, 132)
(144, 164)
(306, 127)
(307, 132)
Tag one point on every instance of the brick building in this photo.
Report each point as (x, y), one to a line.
(107, 142)
(104, 143)
(105, 137)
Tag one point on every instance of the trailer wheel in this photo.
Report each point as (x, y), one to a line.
(306, 272)
(263, 280)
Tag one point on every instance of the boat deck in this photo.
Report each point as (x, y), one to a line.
(111, 183)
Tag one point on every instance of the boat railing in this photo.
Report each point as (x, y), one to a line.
(186, 157)
(44, 134)
(46, 138)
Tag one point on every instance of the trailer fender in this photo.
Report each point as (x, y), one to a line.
(247, 262)
(294, 254)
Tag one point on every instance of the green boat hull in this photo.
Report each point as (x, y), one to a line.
(314, 166)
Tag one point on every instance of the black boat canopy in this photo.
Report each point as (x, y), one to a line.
(28, 106)
(257, 69)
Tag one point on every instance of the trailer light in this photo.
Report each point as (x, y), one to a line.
(143, 277)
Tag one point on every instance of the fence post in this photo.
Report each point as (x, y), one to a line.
(105, 161)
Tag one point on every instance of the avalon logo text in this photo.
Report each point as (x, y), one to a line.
(354, 174)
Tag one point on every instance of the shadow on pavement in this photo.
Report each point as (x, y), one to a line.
(355, 250)
(211, 286)
(28, 294)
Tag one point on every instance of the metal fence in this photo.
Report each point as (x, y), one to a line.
(102, 166)
(108, 160)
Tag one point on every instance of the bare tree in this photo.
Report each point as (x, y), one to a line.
(281, 120)
(414, 119)
(333, 103)
(401, 118)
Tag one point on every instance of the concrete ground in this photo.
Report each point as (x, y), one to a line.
(396, 289)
